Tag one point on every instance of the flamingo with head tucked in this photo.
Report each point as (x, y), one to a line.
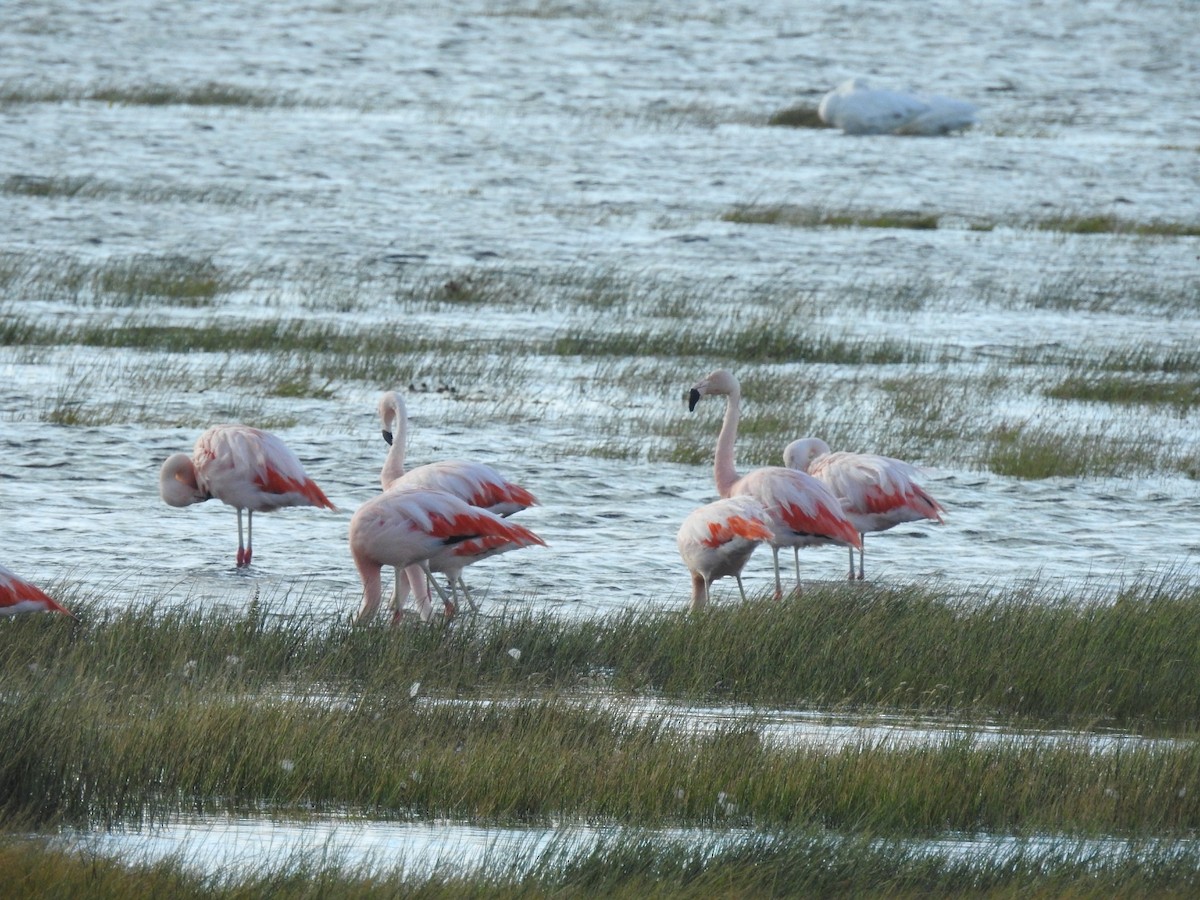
(802, 511)
(717, 540)
(19, 596)
(477, 483)
(406, 527)
(245, 468)
(876, 492)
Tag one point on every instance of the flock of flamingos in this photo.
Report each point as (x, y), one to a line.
(441, 517)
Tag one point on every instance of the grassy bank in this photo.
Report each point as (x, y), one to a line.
(141, 714)
(766, 865)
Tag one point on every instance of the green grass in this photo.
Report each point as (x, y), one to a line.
(633, 865)
(797, 117)
(208, 94)
(137, 715)
(807, 217)
(1182, 395)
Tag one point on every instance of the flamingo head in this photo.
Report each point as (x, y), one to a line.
(800, 454)
(719, 382)
(177, 482)
(392, 414)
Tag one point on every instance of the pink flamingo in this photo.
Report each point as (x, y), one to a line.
(19, 596)
(717, 540)
(475, 482)
(876, 492)
(406, 527)
(802, 511)
(245, 468)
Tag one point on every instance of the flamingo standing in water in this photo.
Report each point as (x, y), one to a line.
(717, 540)
(245, 468)
(19, 596)
(405, 527)
(876, 492)
(802, 511)
(475, 482)
(856, 108)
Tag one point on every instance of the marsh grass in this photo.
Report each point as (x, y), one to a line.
(639, 865)
(794, 216)
(797, 117)
(810, 217)
(1036, 450)
(138, 714)
(90, 188)
(1182, 395)
(208, 94)
(1111, 224)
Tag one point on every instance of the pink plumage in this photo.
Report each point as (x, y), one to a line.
(244, 467)
(474, 482)
(717, 540)
(406, 527)
(876, 492)
(802, 511)
(19, 596)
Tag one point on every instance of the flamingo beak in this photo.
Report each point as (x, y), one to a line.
(693, 399)
(387, 436)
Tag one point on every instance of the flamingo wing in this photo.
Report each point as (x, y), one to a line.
(19, 596)
(477, 483)
(800, 506)
(878, 491)
(253, 469)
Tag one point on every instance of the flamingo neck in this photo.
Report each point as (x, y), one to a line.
(724, 471)
(393, 466)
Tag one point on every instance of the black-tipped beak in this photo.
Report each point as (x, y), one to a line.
(387, 436)
(693, 399)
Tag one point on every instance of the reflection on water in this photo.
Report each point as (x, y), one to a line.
(234, 845)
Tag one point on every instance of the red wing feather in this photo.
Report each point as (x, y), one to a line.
(826, 523)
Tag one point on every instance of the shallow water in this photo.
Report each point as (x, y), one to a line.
(545, 136)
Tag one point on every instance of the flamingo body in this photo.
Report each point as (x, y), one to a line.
(718, 539)
(474, 482)
(406, 527)
(856, 108)
(801, 510)
(19, 596)
(243, 467)
(876, 492)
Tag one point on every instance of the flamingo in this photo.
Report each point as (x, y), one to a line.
(245, 468)
(717, 540)
(405, 527)
(877, 492)
(801, 510)
(475, 482)
(858, 109)
(19, 596)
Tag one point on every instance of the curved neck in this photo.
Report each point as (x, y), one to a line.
(393, 466)
(724, 471)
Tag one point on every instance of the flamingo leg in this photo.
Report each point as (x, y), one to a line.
(470, 600)
(451, 609)
(399, 595)
(740, 588)
(796, 553)
(778, 581)
(249, 535)
(851, 575)
(862, 551)
(241, 554)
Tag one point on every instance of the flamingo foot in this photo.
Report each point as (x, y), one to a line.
(451, 610)
(243, 558)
